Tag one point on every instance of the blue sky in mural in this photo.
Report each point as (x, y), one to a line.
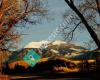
(42, 31)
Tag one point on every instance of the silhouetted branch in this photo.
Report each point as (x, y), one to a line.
(84, 21)
(71, 33)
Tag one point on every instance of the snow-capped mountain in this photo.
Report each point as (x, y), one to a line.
(39, 44)
(34, 45)
(55, 48)
(58, 42)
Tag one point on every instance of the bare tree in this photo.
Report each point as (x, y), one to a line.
(85, 14)
(13, 12)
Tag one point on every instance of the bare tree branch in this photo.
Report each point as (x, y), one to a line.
(84, 21)
(71, 33)
(13, 11)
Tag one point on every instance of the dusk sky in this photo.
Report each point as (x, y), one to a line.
(56, 9)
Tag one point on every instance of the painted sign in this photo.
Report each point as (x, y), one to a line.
(31, 58)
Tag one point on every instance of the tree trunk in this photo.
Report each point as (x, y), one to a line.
(88, 27)
(98, 5)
